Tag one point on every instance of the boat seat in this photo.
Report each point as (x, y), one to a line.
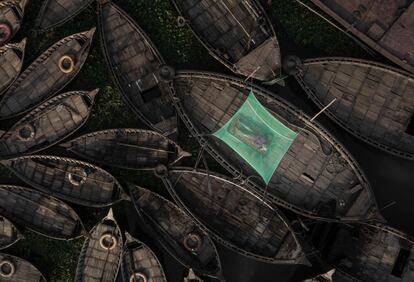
(147, 82)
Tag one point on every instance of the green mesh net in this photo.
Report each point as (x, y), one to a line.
(257, 136)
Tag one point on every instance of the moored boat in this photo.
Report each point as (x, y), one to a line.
(312, 174)
(40, 212)
(371, 253)
(9, 234)
(139, 263)
(11, 16)
(68, 179)
(192, 277)
(177, 232)
(374, 102)
(11, 61)
(235, 216)
(48, 74)
(237, 33)
(54, 13)
(101, 252)
(48, 124)
(127, 148)
(137, 68)
(385, 26)
(15, 269)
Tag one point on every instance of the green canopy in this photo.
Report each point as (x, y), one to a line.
(257, 136)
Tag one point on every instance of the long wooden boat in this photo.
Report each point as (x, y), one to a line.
(139, 263)
(235, 217)
(48, 124)
(237, 33)
(183, 238)
(40, 212)
(11, 61)
(127, 148)
(316, 177)
(54, 13)
(137, 68)
(11, 16)
(374, 102)
(385, 26)
(15, 269)
(9, 234)
(68, 179)
(101, 253)
(48, 74)
(369, 253)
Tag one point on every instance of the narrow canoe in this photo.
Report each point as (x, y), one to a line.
(48, 124)
(178, 233)
(235, 217)
(68, 179)
(9, 234)
(137, 68)
(316, 177)
(237, 33)
(385, 26)
(11, 61)
(369, 253)
(100, 256)
(54, 13)
(139, 263)
(11, 16)
(48, 74)
(374, 102)
(15, 269)
(127, 148)
(40, 212)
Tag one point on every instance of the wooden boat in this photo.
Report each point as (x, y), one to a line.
(237, 33)
(68, 179)
(48, 124)
(48, 74)
(192, 277)
(54, 13)
(15, 269)
(139, 263)
(11, 60)
(137, 68)
(374, 102)
(387, 27)
(235, 217)
(40, 212)
(11, 16)
(100, 256)
(127, 148)
(316, 177)
(369, 253)
(9, 234)
(177, 232)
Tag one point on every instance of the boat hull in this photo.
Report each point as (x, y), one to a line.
(68, 179)
(48, 74)
(237, 33)
(48, 124)
(317, 177)
(385, 26)
(40, 212)
(137, 69)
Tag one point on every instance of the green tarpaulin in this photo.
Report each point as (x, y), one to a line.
(257, 136)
